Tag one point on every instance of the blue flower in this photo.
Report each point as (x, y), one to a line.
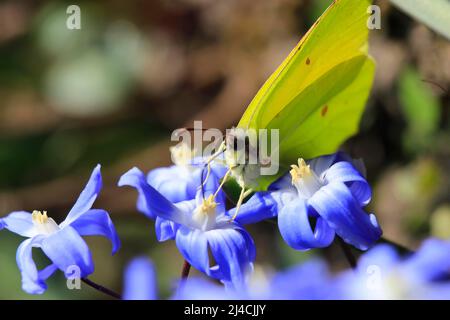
(177, 183)
(165, 229)
(329, 191)
(62, 243)
(308, 281)
(382, 274)
(140, 283)
(140, 280)
(197, 288)
(202, 225)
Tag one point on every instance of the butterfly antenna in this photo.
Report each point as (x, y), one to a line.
(208, 163)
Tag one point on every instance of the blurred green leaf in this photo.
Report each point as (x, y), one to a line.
(435, 14)
(440, 222)
(421, 109)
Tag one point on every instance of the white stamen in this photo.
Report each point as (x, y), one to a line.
(43, 224)
(205, 213)
(304, 179)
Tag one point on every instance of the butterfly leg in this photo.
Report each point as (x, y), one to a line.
(242, 196)
(208, 163)
(224, 179)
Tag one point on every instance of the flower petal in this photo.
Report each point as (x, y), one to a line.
(140, 280)
(321, 164)
(314, 284)
(66, 249)
(19, 222)
(45, 273)
(345, 172)
(296, 230)
(32, 281)
(154, 202)
(209, 188)
(165, 229)
(368, 281)
(382, 256)
(176, 183)
(193, 245)
(431, 262)
(234, 252)
(336, 204)
(201, 289)
(262, 206)
(219, 171)
(86, 198)
(96, 222)
(135, 178)
(439, 291)
(284, 182)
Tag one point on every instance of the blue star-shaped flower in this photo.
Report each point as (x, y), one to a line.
(177, 183)
(310, 280)
(62, 244)
(383, 274)
(328, 191)
(200, 225)
(140, 280)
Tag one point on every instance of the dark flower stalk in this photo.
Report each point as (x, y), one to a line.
(348, 253)
(101, 288)
(185, 271)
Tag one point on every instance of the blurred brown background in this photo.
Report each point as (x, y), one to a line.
(112, 93)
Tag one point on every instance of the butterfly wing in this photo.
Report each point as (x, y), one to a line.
(317, 95)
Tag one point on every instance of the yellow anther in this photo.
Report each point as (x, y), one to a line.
(301, 171)
(208, 206)
(205, 213)
(39, 217)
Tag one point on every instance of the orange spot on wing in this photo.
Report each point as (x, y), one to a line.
(324, 111)
(308, 61)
